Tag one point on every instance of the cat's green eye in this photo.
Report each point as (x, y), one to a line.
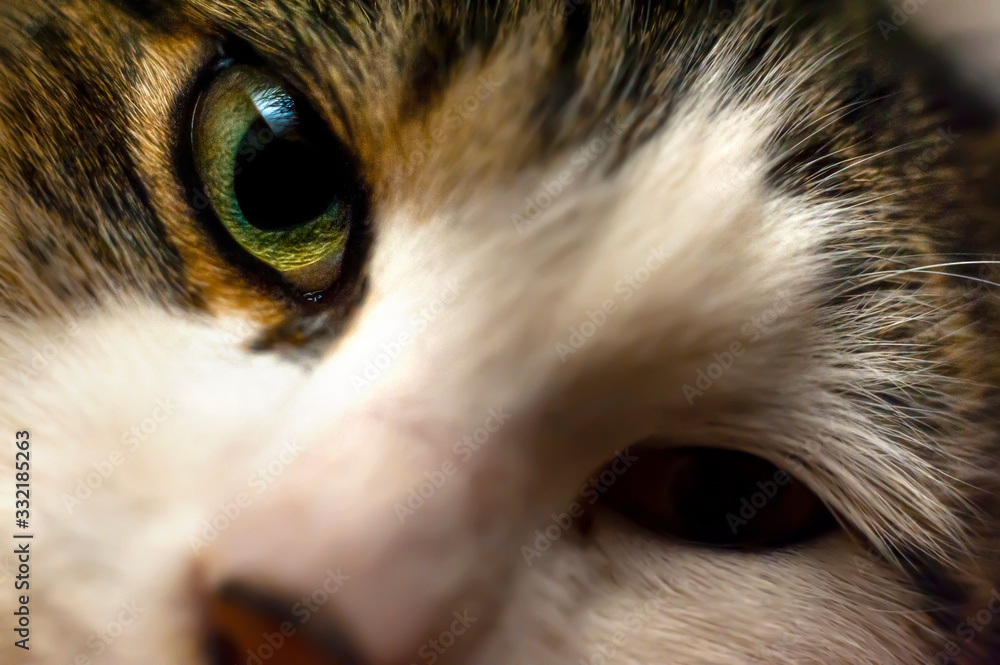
(278, 182)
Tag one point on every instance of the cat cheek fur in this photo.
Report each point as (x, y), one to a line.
(765, 183)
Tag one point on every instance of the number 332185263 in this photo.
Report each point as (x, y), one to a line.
(22, 476)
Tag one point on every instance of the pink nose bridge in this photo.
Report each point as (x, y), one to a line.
(424, 488)
(422, 522)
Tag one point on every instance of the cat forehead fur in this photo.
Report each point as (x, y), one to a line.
(673, 171)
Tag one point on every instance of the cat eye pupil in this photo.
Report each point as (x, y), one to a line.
(281, 179)
(280, 182)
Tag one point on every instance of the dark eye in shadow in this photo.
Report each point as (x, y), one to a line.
(717, 498)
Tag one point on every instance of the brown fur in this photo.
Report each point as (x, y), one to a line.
(99, 201)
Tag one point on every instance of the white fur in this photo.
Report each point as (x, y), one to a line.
(733, 247)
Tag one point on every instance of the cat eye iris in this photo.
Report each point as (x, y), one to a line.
(717, 498)
(277, 181)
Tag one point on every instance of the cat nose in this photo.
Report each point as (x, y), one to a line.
(387, 545)
(272, 602)
(249, 627)
(358, 581)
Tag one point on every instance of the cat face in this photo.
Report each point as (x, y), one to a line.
(526, 332)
